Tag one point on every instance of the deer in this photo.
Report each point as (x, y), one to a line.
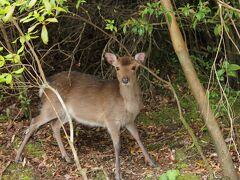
(112, 104)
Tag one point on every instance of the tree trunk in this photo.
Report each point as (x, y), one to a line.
(199, 94)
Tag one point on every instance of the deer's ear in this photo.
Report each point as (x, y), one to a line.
(111, 58)
(140, 57)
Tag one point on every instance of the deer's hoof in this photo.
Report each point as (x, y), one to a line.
(118, 177)
(18, 160)
(153, 164)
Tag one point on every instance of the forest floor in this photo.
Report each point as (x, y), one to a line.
(160, 129)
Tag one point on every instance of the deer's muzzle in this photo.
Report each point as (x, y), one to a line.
(125, 80)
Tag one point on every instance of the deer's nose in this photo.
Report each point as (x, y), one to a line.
(125, 80)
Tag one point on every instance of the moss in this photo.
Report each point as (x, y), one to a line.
(180, 155)
(188, 176)
(169, 113)
(34, 149)
(166, 116)
(182, 165)
(17, 171)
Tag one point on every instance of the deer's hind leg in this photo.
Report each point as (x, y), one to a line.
(56, 127)
(47, 114)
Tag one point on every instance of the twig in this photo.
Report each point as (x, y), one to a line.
(5, 37)
(228, 6)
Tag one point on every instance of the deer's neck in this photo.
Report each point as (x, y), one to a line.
(131, 95)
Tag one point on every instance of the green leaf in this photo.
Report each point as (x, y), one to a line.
(36, 14)
(21, 49)
(32, 27)
(44, 34)
(199, 15)
(140, 31)
(218, 30)
(25, 18)
(186, 10)
(150, 29)
(124, 29)
(134, 29)
(163, 177)
(2, 77)
(2, 61)
(29, 19)
(173, 174)
(115, 28)
(4, 2)
(220, 72)
(32, 3)
(169, 17)
(16, 59)
(20, 2)
(79, 2)
(53, 3)
(9, 14)
(232, 73)
(1, 48)
(53, 20)
(41, 18)
(9, 56)
(225, 64)
(60, 9)
(28, 37)
(34, 37)
(19, 71)
(47, 5)
(8, 78)
(233, 67)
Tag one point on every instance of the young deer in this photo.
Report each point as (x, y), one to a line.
(107, 103)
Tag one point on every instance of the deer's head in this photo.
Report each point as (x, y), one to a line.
(125, 66)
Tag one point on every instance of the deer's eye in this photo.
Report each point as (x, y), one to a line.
(117, 68)
(133, 68)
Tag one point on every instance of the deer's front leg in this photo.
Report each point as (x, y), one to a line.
(114, 131)
(134, 132)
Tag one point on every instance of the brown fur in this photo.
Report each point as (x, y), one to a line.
(125, 61)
